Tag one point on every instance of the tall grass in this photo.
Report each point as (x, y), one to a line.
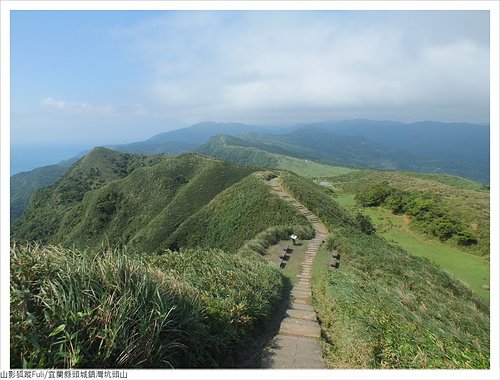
(385, 308)
(195, 308)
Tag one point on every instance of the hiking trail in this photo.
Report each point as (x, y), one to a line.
(297, 344)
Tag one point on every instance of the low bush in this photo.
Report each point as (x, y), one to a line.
(425, 209)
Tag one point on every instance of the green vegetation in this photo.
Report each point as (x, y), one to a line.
(449, 208)
(241, 152)
(185, 286)
(426, 211)
(293, 265)
(451, 180)
(49, 205)
(104, 309)
(317, 200)
(307, 168)
(23, 185)
(471, 269)
(235, 150)
(385, 308)
(239, 214)
(185, 201)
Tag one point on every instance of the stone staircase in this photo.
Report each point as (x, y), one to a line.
(297, 344)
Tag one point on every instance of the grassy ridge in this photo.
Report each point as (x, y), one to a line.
(184, 201)
(241, 152)
(236, 150)
(151, 203)
(385, 308)
(49, 205)
(143, 208)
(318, 200)
(309, 168)
(237, 215)
(102, 309)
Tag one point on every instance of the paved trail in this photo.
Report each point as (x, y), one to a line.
(297, 343)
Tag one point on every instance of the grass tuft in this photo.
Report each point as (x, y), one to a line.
(109, 309)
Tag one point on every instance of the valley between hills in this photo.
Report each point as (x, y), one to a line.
(166, 255)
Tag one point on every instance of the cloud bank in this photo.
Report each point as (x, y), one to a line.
(298, 66)
(119, 76)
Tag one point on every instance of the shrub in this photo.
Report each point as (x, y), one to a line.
(427, 213)
(364, 223)
(466, 238)
(375, 196)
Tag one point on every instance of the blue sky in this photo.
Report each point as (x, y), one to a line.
(96, 77)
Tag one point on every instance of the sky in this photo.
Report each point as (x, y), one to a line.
(100, 77)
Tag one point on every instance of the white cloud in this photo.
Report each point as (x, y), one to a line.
(293, 66)
(72, 108)
(77, 108)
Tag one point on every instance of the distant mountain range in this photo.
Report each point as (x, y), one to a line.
(460, 149)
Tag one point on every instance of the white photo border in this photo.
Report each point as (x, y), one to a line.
(6, 6)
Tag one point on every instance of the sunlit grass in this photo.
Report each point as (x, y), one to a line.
(472, 269)
(112, 309)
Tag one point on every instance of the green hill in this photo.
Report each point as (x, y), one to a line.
(449, 208)
(236, 215)
(240, 151)
(328, 147)
(23, 185)
(49, 205)
(174, 202)
(385, 308)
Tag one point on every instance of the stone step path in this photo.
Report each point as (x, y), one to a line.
(297, 344)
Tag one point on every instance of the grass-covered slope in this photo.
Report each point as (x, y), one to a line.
(384, 308)
(242, 152)
(236, 150)
(23, 185)
(49, 205)
(237, 215)
(103, 309)
(450, 208)
(145, 208)
(180, 201)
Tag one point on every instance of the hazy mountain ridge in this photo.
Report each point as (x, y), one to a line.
(331, 144)
(459, 149)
